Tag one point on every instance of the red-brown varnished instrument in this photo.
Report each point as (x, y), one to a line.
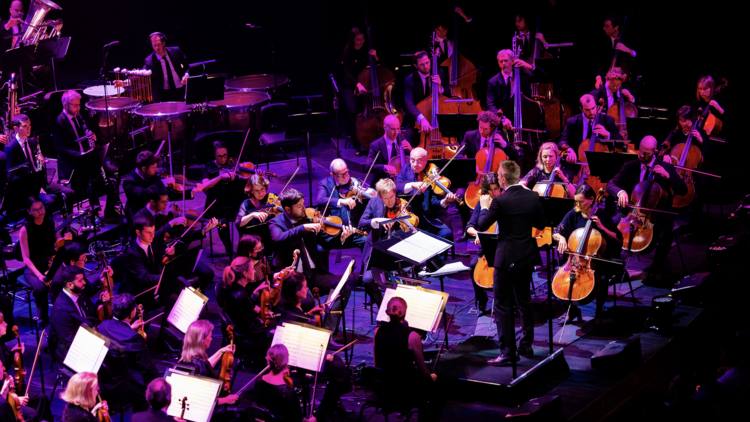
(439, 184)
(488, 159)
(590, 144)
(104, 311)
(549, 189)
(19, 377)
(227, 363)
(101, 413)
(332, 224)
(318, 316)
(464, 76)
(621, 111)
(712, 124)
(688, 156)
(400, 209)
(13, 400)
(484, 273)
(141, 330)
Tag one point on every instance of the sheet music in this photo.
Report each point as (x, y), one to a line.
(332, 297)
(304, 345)
(201, 396)
(447, 269)
(419, 247)
(422, 310)
(87, 352)
(186, 310)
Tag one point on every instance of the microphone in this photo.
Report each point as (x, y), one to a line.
(330, 75)
(249, 25)
(112, 44)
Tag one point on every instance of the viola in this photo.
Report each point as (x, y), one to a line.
(227, 363)
(575, 281)
(464, 76)
(332, 224)
(439, 184)
(288, 379)
(400, 209)
(318, 316)
(591, 144)
(141, 330)
(13, 400)
(19, 378)
(101, 413)
(272, 207)
(104, 312)
(489, 159)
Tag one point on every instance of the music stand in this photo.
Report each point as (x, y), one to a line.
(202, 89)
(607, 164)
(19, 189)
(305, 125)
(455, 125)
(17, 61)
(50, 51)
(398, 236)
(639, 127)
(461, 172)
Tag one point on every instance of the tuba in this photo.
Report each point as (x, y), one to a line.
(35, 21)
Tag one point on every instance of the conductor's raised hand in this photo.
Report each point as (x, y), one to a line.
(485, 201)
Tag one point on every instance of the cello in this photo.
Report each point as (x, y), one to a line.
(549, 189)
(464, 76)
(713, 124)
(621, 111)
(575, 281)
(687, 156)
(398, 162)
(378, 99)
(488, 158)
(590, 144)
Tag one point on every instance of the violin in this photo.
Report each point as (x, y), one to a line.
(318, 316)
(332, 224)
(591, 144)
(279, 278)
(272, 207)
(488, 158)
(18, 366)
(101, 413)
(104, 312)
(355, 189)
(400, 209)
(439, 184)
(575, 281)
(141, 329)
(227, 363)
(13, 400)
(288, 379)
(185, 406)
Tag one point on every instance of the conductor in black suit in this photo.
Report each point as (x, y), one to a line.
(389, 147)
(579, 127)
(500, 86)
(417, 87)
(159, 397)
(621, 186)
(516, 211)
(169, 70)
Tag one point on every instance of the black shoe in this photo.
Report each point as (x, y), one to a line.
(573, 315)
(504, 359)
(526, 351)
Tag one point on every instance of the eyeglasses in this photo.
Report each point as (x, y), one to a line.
(222, 156)
(341, 174)
(37, 210)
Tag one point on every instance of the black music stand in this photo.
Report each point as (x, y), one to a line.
(456, 125)
(19, 189)
(50, 51)
(17, 61)
(306, 125)
(607, 164)
(461, 172)
(202, 89)
(433, 263)
(656, 126)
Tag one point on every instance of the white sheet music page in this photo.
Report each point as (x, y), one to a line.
(332, 297)
(86, 353)
(419, 247)
(201, 396)
(186, 310)
(422, 307)
(304, 345)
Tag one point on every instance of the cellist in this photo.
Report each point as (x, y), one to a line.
(621, 187)
(545, 166)
(500, 87)
(579, 128)
(576, 219)
(354, 60)
(612, 89)
(719, 107)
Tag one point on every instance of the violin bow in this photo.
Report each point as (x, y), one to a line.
(239, 157)
(371, 166)
(315, 384)
(323, 216)
(416, 191)
(290, 180)
(254, 378)
(36, 357)
(184, 169)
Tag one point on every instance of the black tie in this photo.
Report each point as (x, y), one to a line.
(427, 87)
(393, 150)
(151, 258)
(591, 129)
(646, 172)
(81, 306)
(78, 127)
(170, 77)
(31, 155)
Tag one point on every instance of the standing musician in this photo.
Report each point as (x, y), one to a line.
(40, 77)
(24, 150)
(67, 128)
(621, 186)
(139, 184)
(348, 209)
(243, 304)
(272, 392)
(417, 87)
(602, 221)
(73, 254)
(443, 45)
(500, 86)
(128, 353)
(170, 70)
(545, 165)
(354, 60)
(15, 25)
(528, 35)
(426, 203)
(612, 89)
(579, 127)
(389, 148)
(80, 395)
(490, 186)
(607, 47)
(516, 211)
(255, 222)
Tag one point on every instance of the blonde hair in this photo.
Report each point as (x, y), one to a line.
(235, 271)
(546, 146)
(192, 346)
(384, 186)
(277, 358)
(82, 390)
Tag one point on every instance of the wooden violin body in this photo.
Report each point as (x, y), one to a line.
(400, 209)
(19, 377)
(227, 363)
(332, 224)
(319, 316)
(104, 311)
(14, 401)
(102, 414)
(439, 184)
(141, 329)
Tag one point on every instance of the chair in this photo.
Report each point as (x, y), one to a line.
(113, 396)
(385, 396)
(274, 118)
(259, 414)
(22, 285)
(233, 139)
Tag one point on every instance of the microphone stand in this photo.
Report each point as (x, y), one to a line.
(103, 79)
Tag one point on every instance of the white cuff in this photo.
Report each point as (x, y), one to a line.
(374, 224)
(443, 203)
(419, 118)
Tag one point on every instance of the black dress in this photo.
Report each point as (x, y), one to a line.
(222, 412)
(537, 175)
(255, 226)
(41, 241)
(280, 400)
(74, 413)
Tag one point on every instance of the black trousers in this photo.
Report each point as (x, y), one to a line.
(513, 286)
(662, 241)
(41, 291)
(480, 294)
(53, 199)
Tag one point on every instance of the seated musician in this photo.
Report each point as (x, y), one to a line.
(398, 349)
(491, 187)
(80, 397)
(128, 353)
(621, 187)
(545, 165)
(426, 203)
(289, 232)
(601, 221)
(229, 407)
(579, 128)
(70, 310)
(500, 86)
(68, 128)
(443, 45)
(348, 209)
(73, 254)
(34, 407)
(250, 222)
(293, 291)
(719, 105)
(272, 392)
(607, 47)
(611, 90)
(24, 151)
(389, 148)
(139, 184)
(686, 116)
(417, 87)
(159, 397)
(158, 201)
(243, 303)
(170, 70)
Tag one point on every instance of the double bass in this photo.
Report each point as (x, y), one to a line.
(489, 159)
(464, 76)
(378, 99)
(590, 144)
(621, 111)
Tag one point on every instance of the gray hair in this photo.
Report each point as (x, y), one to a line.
(70, 95)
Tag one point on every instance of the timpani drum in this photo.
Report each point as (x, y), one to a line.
(98, 91)
(161, 117)
(237, 111)
(117, 121)
(263, 83)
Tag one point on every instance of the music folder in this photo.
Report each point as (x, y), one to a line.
(306, 344)
(87, 351)
(201, 393)
(424, 307)
(187, 309)
(416, 248)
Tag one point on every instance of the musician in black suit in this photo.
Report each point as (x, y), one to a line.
(128, 352)
(169, 68)
(516, 211)
(23, 151)
(139, 184)
(159, 397)
(389, 147)
(607, 46)
(579, 127)
(611, 90)
(417, 87)
(500, 86)
(348, 209)
(14, 25)
(73, 254)
(621, 186)
(71, 309)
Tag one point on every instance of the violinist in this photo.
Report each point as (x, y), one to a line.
(251, 246)
(417, 87)
(500, 86)
(243, 303)
(719, 107)
(579, 128)
(607, 47)
(426, 204)
(254, 222)
(389, 148)
(545, 166)
(491, 186)
(272, 392)
(139, 184)
(157, 205)
(355, 59)
(80, 397)
(128, 353)
(576, 219)
(612, 89)
(621, 186)
(74, 254)
(349, 209)
(37, 241)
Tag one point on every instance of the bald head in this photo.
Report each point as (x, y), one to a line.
(646, 149)
(17, 10)
(392, 126)
(418, 159)
(339, 171)
(588, 106)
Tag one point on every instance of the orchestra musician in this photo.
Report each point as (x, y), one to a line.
(704, 92)
(621, 186)
(607, 47)
(602, 221)
(157, 205)
(500, 86)
(443, 45)
(255, 222)
(252, 246)
(24, 151)
(80, 395)
(15, 24)
(491, 185)
(348, 209)
(528, 35)
(579, 128)
(516, 211)
(139, 183)
(389, 148)
(166, 64)
(426, 203)
(73, 254)
(612, 89)
(686, 116)
(545, 165)
(41, 76)
(128, 353)
(159, 397)
(354, 60)
(242, 303)
(417, 87)
(272, 392)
